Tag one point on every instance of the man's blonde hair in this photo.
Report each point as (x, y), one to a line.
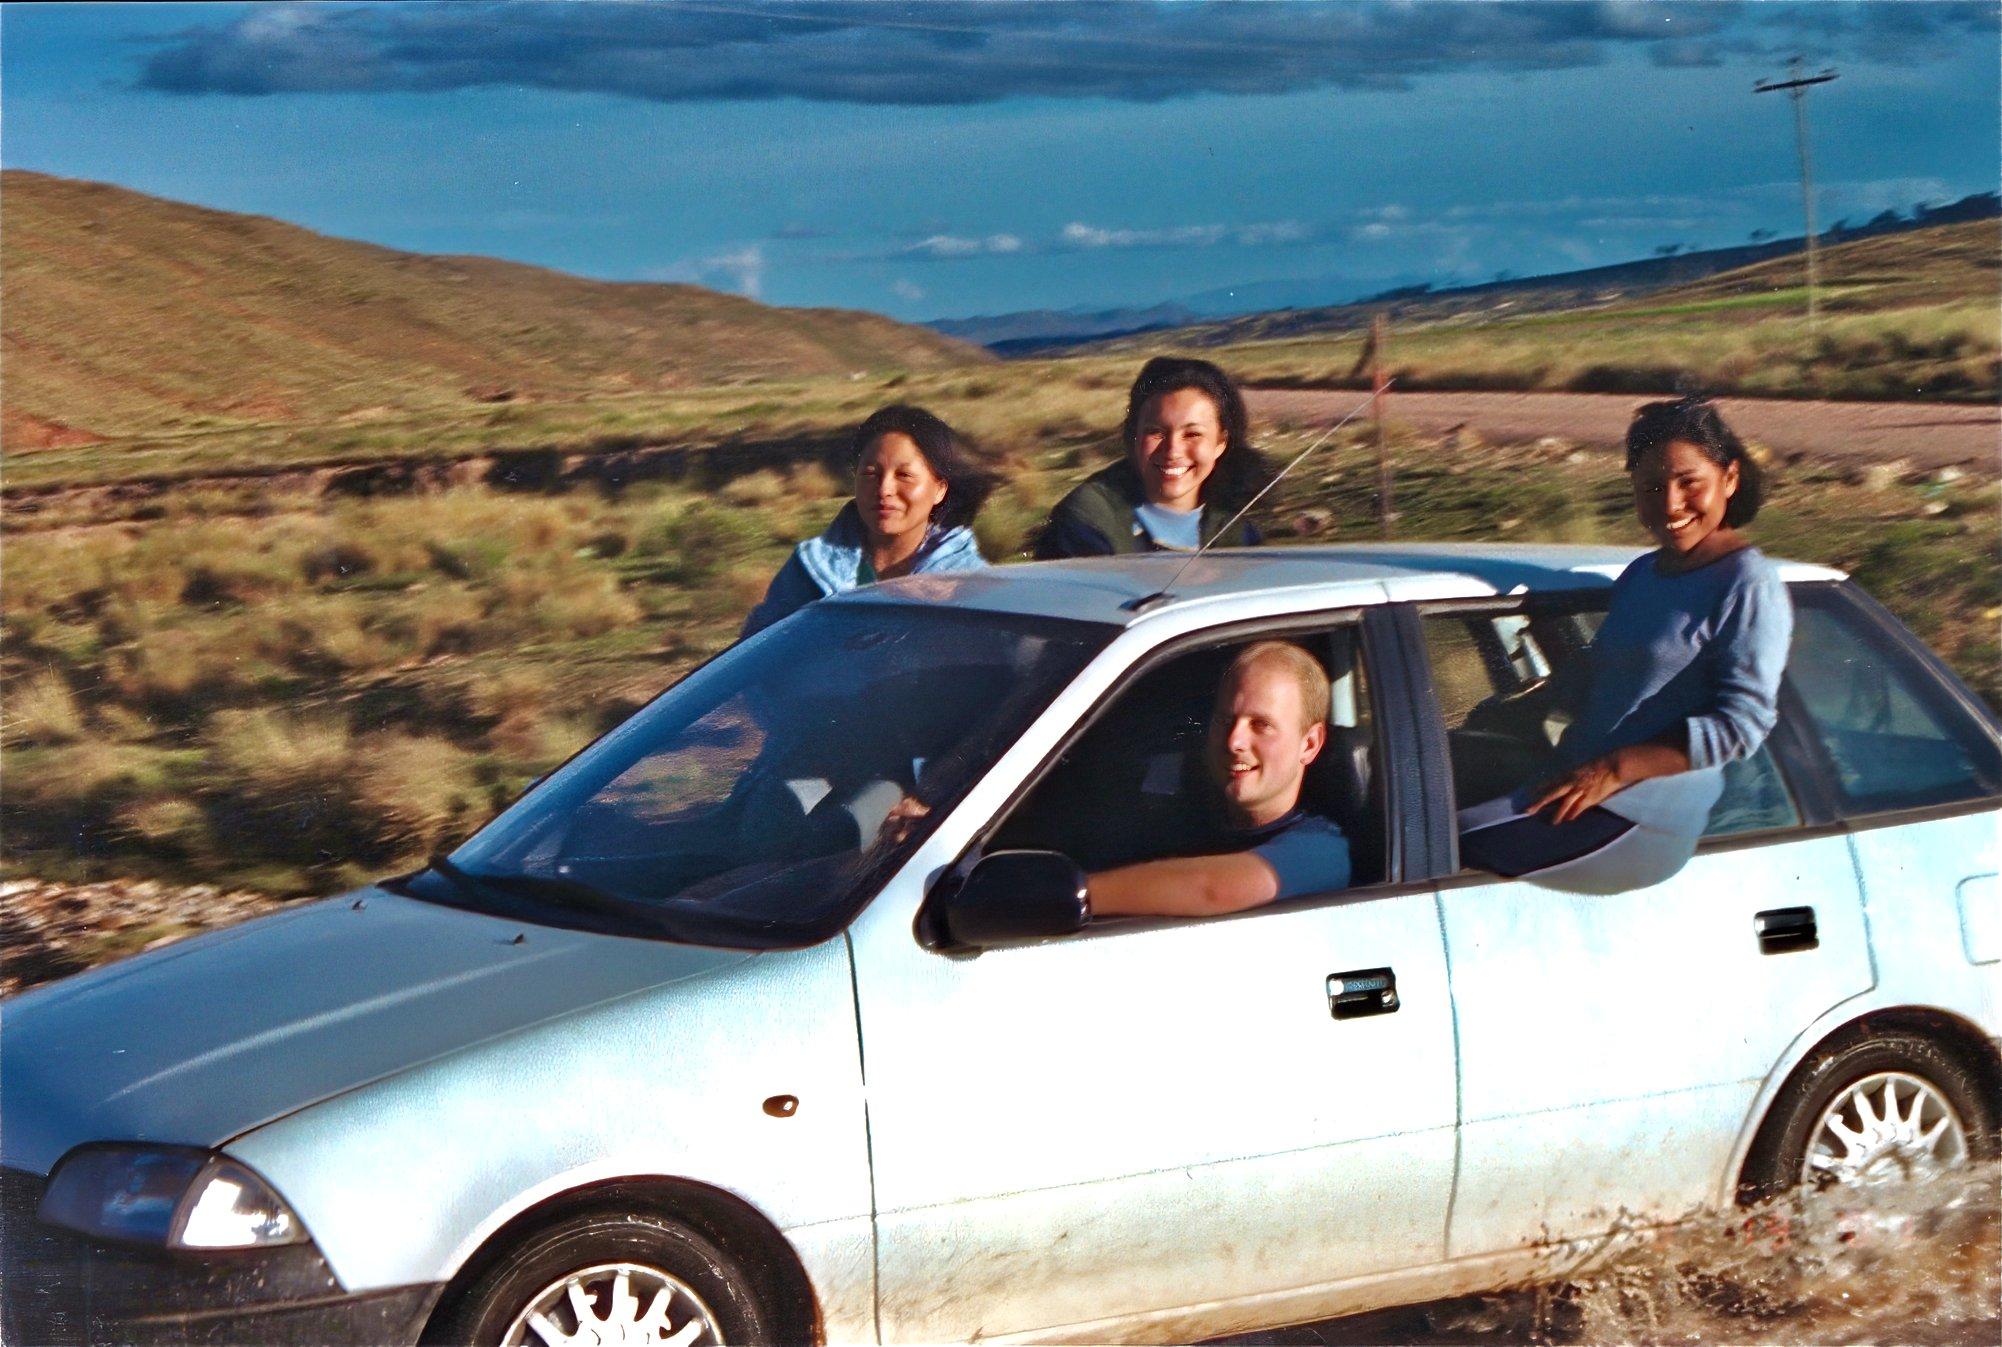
(1315, 695)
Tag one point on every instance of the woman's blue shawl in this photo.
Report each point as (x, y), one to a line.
(829, 564)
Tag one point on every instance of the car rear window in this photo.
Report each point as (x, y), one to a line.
(1895, 735)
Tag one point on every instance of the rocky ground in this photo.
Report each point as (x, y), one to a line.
(52, 930)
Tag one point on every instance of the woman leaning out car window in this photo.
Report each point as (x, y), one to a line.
(917, 490)
(1189, 468)
(1681, 678)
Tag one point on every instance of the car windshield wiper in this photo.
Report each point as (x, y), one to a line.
(573, 894)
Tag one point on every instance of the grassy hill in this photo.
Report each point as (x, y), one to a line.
(129, 315)
(1896, 270)
(1906, 315)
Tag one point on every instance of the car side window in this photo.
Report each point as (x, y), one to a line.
(1136, 785)
(1492, 672)
(1755, 798)
(1894, 740)
(1485, 673)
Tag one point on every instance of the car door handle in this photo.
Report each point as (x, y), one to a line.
(1365, 991)
(1785, 929)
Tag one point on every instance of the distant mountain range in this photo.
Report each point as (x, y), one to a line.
(1220, 317)
(127, 314)
(1039, 327)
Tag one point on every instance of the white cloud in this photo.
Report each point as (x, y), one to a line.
(950, 245)
(1078, 234)
(746, 267)
(909, 290)
(1549, 207)
(740, 269)
(1278, 231)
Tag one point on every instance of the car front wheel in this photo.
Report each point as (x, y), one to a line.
(609, 1277)
(1879, 1107)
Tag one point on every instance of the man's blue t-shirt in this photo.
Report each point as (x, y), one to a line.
(1306, 851)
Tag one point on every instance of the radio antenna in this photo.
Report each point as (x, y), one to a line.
(1135, 605)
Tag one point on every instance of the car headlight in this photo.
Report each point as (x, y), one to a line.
(167, 1195)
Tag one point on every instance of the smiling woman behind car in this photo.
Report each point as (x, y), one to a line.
(1682, 677)
(1189, 468)
(917, 491)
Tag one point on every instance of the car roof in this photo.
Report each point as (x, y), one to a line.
(1121, 590)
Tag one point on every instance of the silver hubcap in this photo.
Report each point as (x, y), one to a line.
(1887, 1126)
(615, 1305)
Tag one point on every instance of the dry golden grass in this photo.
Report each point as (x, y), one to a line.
(1910, 315)
(273, 682)
(128, 315)
(359, 681)
(43, 710)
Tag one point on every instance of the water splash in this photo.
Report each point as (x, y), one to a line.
(1910, 1262)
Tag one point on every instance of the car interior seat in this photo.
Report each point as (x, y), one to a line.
(1133, 787)
(1342, 783)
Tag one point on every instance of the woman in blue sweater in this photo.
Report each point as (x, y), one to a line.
(1682, 677)
(917, 491)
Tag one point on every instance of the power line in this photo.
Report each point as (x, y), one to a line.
(1796, 88)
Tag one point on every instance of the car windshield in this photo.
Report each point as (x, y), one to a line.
(760, 801)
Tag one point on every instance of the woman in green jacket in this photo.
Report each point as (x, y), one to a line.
(1189, 467)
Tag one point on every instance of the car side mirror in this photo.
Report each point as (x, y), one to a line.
(1017, 895)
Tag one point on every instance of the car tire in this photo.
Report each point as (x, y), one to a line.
(573, 1269)
(1932, 1094)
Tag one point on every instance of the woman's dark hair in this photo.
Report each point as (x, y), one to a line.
(967, 483)
(1241, 470)
(1694, 420)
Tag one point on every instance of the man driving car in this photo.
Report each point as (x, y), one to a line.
(1268, 724)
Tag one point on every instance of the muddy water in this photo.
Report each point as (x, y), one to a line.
(1918, 1263)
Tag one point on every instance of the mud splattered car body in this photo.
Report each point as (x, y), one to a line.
(790, 1069)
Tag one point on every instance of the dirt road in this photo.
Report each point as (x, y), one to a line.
(1928, 434)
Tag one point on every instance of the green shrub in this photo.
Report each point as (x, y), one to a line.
(815, 481)
(494, 694)
(43, 710)
(162, 669)
(173, 826)
(699, 539)
(766, 486)
(339, 560)
(1008, 523)
(270, 750)
(470, 558)
(66, 800)
(537, 740)
(317, 634)
(411, 793)
(430, 622)
(237, 580)
(560, 601)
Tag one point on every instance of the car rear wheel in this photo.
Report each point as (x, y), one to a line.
(609, 1277)
(1877, 1108)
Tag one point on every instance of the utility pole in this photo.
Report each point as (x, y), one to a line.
(1379, 342)
(1797, 88)
(1370, 361)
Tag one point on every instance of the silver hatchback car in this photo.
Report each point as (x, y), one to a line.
(754, 1022)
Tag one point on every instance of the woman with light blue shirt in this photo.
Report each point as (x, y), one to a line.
(1682, 677)
(917, 491)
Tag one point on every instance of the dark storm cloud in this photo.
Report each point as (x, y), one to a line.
(973, 53)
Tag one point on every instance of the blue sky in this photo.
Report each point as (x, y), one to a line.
(945, 159)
